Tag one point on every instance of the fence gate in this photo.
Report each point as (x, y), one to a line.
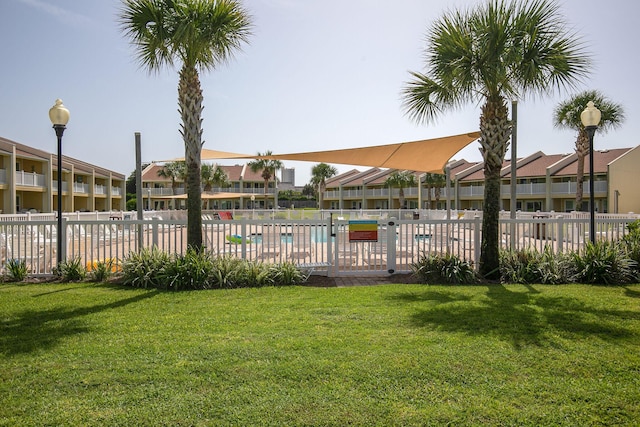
(364, 247)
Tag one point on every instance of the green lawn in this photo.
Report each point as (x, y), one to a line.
(84, 354)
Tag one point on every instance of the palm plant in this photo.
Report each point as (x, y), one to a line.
(268, 169)
(435, 181)
(567, 116)
(199, 35)
(319, 175)
(174, 171)
(401, 180)
(494, 52)
(213, 175)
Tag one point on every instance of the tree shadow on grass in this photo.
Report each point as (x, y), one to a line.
(522, 318)
(32, 330)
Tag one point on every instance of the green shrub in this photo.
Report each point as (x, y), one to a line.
(254, 274)
(288, 274)
(101, 270)
(447, 268)
(605, 263)
(17, 269)
(225, 271)
(193, 270)
(70, 270)
(144, 269)
(530, 266)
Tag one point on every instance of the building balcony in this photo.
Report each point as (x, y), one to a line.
(29, 179)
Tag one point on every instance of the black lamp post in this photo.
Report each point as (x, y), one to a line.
(59, 116)
(590, 118)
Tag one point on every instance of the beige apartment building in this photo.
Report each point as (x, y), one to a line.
(28, 182)
(245, 190)
(544, 183)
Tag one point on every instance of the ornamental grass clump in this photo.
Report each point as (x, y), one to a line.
(17, 270)
(443, 269)
(70, 270)
(604, 263)
(144, 269)
(530, 266)
(193, 270)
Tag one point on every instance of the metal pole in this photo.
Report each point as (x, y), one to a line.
(514, 170)
(139, 188)
(591, 130)
(59, 131)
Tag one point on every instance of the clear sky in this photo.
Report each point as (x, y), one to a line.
(317, 75)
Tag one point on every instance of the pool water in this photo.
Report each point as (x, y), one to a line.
(318, 235)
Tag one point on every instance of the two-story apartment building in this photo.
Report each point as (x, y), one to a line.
(245, 190)
(544, 182)
(28, 181)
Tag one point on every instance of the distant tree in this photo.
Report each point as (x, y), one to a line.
(131, 182)
(567, 115)
(268, 169)
(310, 191)
(175, 171)
(197, 36)
(214, 175)
(496, 51)
(401, 180)
(319, 175)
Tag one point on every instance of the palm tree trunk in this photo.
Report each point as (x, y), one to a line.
(582, 148)
(266, 185)
(190, 107)
(401, 197)
(495, 130)
(321, 189)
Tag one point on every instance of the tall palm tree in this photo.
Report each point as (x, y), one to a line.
(213, 175)
(174, 171)
(567, 115)
(196, 35)
(268, 169)
(489, 54)
(319, 175)
(435, 181)
(401, 180)
(439, 182)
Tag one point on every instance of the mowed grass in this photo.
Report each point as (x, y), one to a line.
(85, 354)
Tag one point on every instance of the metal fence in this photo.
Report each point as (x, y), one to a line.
(315, 240)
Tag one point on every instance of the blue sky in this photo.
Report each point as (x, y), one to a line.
(317, 75)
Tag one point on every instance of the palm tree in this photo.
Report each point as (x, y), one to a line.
(401, 180)
(268, 169)
(174, 171)
(567, 115)
(439, 182)
(494, 52)
(197, 36)
(213, 175)
(319, 175)
(436, 181)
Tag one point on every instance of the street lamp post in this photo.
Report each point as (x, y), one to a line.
(59, 116)
(590, 118)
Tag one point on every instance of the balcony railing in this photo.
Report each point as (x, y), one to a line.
(569, 188)
(29, 179)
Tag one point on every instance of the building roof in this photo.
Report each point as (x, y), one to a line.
(25, 151)
(600, 161)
